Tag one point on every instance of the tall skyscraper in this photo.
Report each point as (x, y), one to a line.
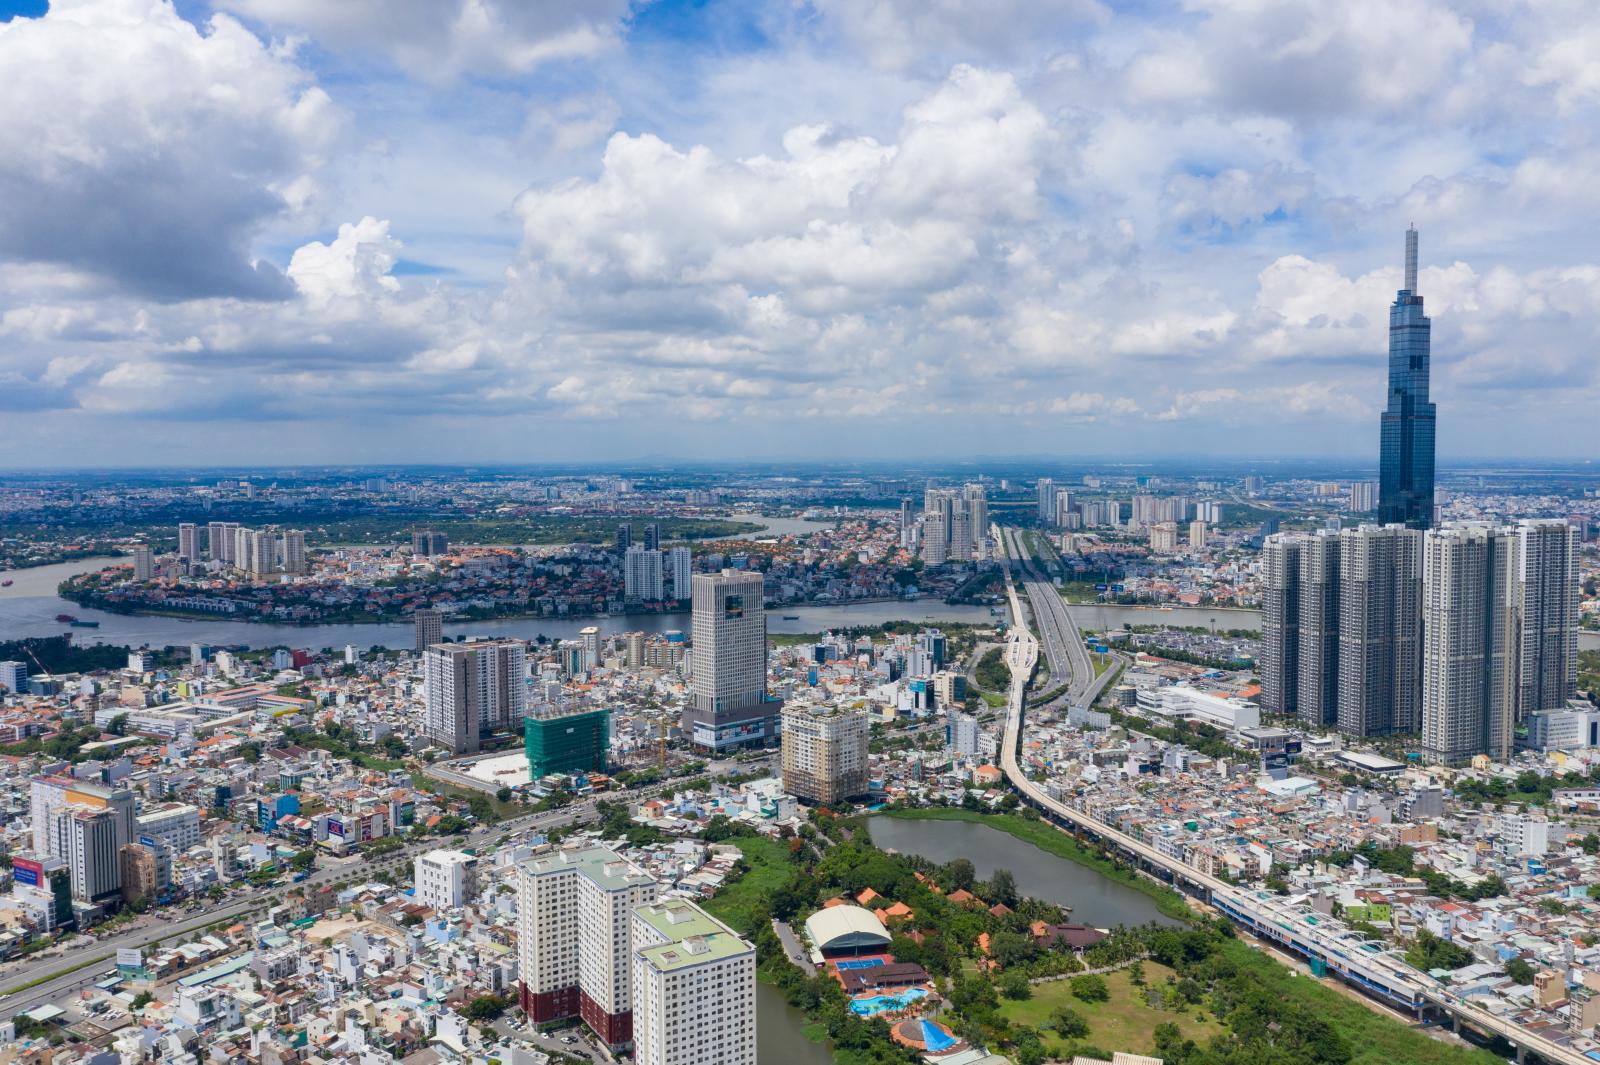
(1280, 624)
(1547, 615)
(624, 537)
(908, 525)
(824, 753)
(1468, 650)
(1046, 489)
(221, 538)
(680, 569)
(729, 707)
(652, 536)
(144, 567)
(189, 541)
(294, 551)
(642, 573)
(1380, 637)
(1405, 463)
(429, 625)
(473, 689)
(429, 543)
(1316, 685)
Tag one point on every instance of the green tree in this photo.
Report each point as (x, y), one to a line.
(1519, 971)
(1089, 989)
(962, 873)
(1014, 985)
(1069, 1023)
(1003, 888)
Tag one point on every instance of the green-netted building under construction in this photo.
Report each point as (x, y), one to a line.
(567, 743)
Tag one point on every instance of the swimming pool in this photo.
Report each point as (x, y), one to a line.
(871, 1007)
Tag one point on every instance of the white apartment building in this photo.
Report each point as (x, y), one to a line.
(643, 574)
(680, 568)
(694, 988)
(575, 937)
(177, 825)
(445, 879)
(143, 562)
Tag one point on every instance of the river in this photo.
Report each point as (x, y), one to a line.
(29, 608)
(1095, 899)
(30, 605)
(779, 1035)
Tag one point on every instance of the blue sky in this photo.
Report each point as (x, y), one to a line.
(471, 230)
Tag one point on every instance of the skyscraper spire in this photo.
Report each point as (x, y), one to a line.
(1411, 260)
(1405, 462)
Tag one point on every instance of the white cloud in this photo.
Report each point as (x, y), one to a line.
(440, 39)
(143, 152)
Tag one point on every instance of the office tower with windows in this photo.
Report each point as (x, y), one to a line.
(473, 689)
(1046, 489)
(429, 629)
(1280, 624)
(1547, 615)
(694, 987)
(624, 537)
(680, 568)
(652, 536)
(1406, 451)
(1380, 630)
(189, 541)
(976, 498)
(92, 840)
(589, 639)
(824, 753)
(908, 525)
(1468, 648)
(728, 705)
(642, 575)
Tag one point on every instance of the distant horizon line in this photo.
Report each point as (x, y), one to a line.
(668, 463)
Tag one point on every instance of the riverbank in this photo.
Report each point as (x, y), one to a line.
(1048, 838)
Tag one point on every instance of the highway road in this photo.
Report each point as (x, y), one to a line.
(1264, 914)
(1062, 643)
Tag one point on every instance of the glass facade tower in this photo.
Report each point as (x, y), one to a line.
(1405, 466)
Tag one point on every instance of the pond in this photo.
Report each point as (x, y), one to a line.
(1095, 899)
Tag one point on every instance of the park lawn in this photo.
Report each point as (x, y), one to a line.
(1125, 1021)
(743, 904)
(994, 699)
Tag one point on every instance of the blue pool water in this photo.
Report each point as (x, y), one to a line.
(871, 1007)
(936, 1038)
(859, 963)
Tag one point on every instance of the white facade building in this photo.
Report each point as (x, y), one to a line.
(694, 987)
(444, 879)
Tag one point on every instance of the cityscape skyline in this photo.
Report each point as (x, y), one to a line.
(968, 243)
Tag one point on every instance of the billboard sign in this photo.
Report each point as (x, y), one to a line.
(130, 958)
(28, 872)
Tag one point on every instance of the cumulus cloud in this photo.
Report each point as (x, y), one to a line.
(147, 153)
(970, 227)
(440, 39)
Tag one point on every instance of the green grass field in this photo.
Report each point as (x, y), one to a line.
(743, 903)
(1125, 1021)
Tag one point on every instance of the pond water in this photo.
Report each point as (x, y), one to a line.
(1095, 899)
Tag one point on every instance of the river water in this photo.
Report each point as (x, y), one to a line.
(1095, 900)
(29, 607)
